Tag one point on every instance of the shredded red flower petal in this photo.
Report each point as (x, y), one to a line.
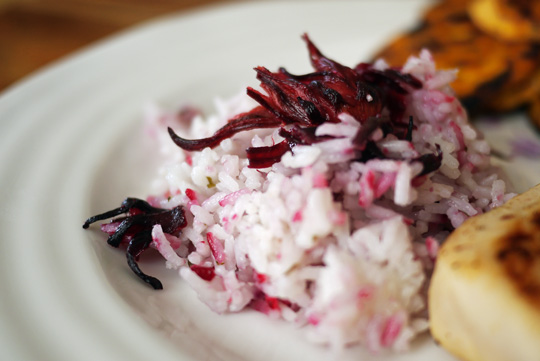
(298, 104)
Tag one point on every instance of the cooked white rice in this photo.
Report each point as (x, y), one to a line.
(353, 270)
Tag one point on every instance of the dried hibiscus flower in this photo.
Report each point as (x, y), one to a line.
(298, 104)
(135, 229)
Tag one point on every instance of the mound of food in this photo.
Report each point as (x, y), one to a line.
(321, 199)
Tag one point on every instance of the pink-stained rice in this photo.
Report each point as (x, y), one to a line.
(351, 270)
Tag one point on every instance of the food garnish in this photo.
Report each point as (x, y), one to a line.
(299, 104)
(135, 230)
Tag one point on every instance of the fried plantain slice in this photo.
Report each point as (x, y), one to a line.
(508, 20)
(489, 69)
(524, 92)
(484, 297)
(454, 42)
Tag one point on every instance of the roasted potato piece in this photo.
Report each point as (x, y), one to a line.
(484, 297)
(508, 20)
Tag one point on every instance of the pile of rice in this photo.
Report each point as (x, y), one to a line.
(352, 269)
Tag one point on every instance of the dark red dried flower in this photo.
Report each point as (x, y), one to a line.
(135, 229)
(298, 104)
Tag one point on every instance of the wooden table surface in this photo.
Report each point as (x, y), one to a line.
(36, 32)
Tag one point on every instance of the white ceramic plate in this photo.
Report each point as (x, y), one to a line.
(70, 147)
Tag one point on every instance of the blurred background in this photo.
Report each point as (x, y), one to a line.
(505, 78)
(35, 32)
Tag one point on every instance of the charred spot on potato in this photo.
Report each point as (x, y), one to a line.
(517, 264)
(536, 219)
(519, 237)
(532, 290)
(519, 255)
(513, 254)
